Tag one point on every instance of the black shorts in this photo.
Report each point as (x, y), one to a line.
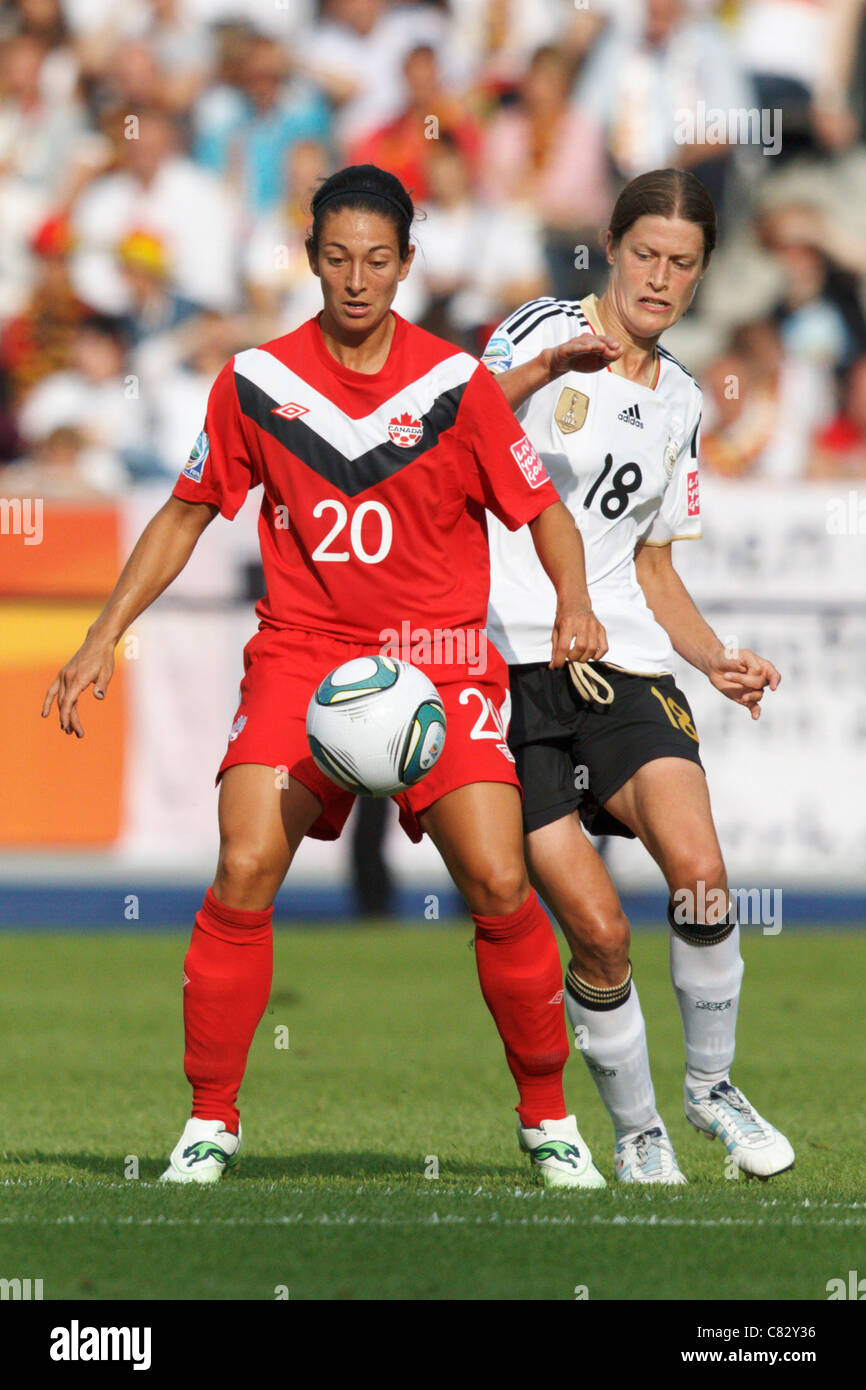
(572, 755)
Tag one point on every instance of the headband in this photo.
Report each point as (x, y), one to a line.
(367, 193)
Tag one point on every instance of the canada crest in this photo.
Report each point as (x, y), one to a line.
(405, 430)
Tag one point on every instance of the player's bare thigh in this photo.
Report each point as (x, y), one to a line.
(478, 830)
(571, 878)
(667, 805)
(261, 825)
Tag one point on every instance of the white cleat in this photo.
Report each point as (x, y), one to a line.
(559, 1155)
(756, 1147)
(203, 1152)
(647, 1157)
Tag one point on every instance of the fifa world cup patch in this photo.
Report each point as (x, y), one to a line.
(237, 727)
(529, 463)
(571, 408)
(694, 495)
(197, 458)
(498, 355)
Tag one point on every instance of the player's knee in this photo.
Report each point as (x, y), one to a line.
(697, 875)
(497, 889)
(600, 947)
(243, 872)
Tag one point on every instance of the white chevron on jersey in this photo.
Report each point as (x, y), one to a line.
(352, 437)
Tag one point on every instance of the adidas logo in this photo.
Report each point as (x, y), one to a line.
(631, 416)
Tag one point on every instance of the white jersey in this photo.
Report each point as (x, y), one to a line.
(623, 458)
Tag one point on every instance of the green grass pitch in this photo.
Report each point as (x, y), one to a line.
(393, 1068)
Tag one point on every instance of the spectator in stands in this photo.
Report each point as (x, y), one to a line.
(762, 406)
(476, 263)
(39, 133)
(245, 135)
(782, 46)
(96, 397)
(648, 84)
(184, 49)
(178, 385)
(819, 311)
(404, 145)
(840, 448)
(157, 188)
(64, 466)
(546, 152)
(839, 96)
(38, 341)
(356, 55)
(275, 266)
(154, 307)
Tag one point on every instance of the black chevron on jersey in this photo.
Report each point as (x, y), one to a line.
(351, 476)
(556, 309)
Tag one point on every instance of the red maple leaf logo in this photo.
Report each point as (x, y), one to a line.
(405, 430)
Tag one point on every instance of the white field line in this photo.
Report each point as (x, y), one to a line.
(434, 1219)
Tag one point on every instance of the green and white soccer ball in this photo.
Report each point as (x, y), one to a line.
(376, 726)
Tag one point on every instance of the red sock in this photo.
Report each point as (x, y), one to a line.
(228, 970)
(521, 980)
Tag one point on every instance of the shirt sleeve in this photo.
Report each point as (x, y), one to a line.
(503, 471)
(679, 517)
(219, 469)
(510, 345)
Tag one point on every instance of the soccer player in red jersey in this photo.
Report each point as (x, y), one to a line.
(379, 447)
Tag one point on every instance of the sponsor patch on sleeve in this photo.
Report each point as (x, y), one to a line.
(694, 494)
(529, 463)
(498, 355)
(196, 461)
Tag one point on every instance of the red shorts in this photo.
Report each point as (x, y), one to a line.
(282, 668)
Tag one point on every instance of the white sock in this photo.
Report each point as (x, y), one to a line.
(706, 980)
(614, 1046)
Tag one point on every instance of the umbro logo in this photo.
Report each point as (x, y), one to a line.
(631, 416)
(291, 411)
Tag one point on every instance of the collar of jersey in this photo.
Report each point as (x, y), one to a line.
(610, 367)
(346, 374)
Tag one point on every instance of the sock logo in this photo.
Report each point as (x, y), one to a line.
(714, 1005)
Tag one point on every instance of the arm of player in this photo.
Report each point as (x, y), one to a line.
(742, 676)
(587, 353)
(160, 554)
(577, 633)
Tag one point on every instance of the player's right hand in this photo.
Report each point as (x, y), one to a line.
(577, 636)
(92, 664)
(590, 352)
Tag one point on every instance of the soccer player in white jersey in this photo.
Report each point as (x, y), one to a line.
(616, 420)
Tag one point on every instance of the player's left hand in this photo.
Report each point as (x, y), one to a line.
(577, 636)
(743, 678)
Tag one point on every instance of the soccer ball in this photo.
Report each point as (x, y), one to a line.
(376, 726)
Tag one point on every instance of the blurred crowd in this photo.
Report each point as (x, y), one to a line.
(157, 160)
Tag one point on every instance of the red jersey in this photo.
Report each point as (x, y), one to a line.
(375, 485)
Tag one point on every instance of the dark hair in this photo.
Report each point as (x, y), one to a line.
(665, 193)
(106, 326)
(369, 189)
